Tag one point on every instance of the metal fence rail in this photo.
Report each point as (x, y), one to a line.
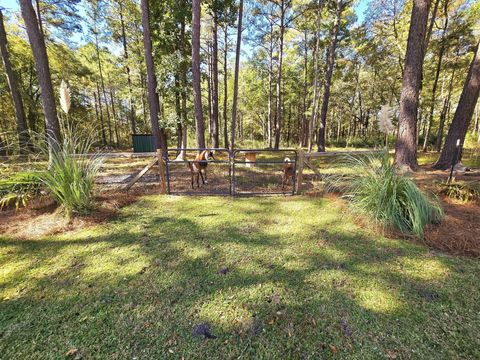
(232, 160)
(169, 162)
(236, 162)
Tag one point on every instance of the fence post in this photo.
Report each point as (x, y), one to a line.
(161, 171)
(301, 158)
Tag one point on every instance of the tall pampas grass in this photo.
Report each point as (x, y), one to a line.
(65, 99)
(384, 122)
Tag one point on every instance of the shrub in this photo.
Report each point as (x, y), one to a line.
(393, 199)
(19, 188)
(460, 190)
(70, 178)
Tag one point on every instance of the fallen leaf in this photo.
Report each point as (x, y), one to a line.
(72, 352)
(275, 299)
(391, 354)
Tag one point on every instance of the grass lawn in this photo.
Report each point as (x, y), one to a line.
(274, 277)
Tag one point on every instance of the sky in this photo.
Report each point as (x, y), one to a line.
(9, 4)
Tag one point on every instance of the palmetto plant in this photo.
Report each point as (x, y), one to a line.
(376, 188)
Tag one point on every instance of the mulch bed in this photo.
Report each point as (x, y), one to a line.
(42, 217)
(459, 232)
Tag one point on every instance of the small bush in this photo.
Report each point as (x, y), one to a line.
(19, 188)
(70, 178)
(393, 199)
(461, 191)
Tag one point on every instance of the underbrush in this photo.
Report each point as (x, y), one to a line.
(376, 188)
(68, 178)
(461, 191)
(19, 188)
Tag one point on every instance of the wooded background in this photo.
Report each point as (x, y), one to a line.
(300, 73)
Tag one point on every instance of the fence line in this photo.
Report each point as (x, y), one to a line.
(304, 157)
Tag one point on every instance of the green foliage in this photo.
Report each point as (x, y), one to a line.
(461, 190)
(375, 187)
(70, 178)
(19, 188)
(358, 142)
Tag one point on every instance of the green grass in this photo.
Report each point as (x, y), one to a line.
(304, 282)
(471, 157)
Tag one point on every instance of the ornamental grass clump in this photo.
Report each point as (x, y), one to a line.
(376, 188)
(70, 177)
(70, 174)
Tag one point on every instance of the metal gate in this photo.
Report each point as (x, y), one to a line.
(249, 176)
(179, 175)
(239, 172)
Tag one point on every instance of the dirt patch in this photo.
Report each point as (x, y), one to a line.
(43, 217)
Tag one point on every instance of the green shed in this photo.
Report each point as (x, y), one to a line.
(143, 143)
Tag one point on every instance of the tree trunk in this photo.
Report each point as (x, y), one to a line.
(99, 116)
(39, 50)
(127, 70)
(225, 89)
(197, 95)
(313, 117)
(433, 17)
(178, 112)
(114, 115)
(102, 84)
(3, 147)
(98, 98)
(22, 130)
(406, 144)
(209, 92)
(437, 72)
(270, 95)
(237, 68)
(100, 72)
(434, 92)
(153, 101)
(215, 81)
(278, 122)
(328, 76)
(183, 77)
(144, 91)
(443, 115)
(463, 114)
(304, 126)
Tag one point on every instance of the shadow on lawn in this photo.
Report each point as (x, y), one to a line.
(140, 289)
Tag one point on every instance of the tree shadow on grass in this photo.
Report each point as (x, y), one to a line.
(139, 287)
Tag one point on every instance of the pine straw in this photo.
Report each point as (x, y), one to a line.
(459, 233)
(43, 217)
